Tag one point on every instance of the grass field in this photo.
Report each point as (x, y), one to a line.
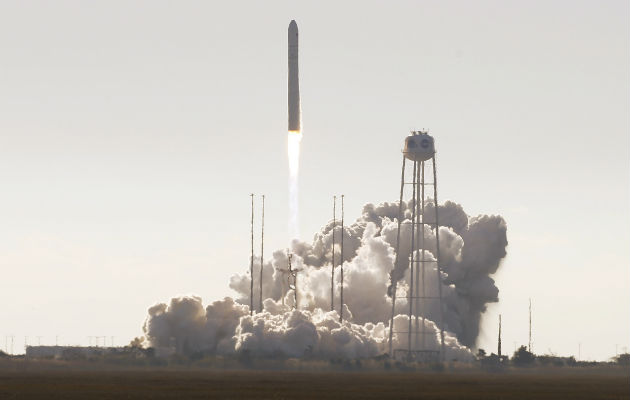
(73, 382)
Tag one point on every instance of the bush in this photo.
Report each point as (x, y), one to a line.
(623, 359)
(523, 358)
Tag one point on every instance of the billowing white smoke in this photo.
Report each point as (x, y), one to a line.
(471, 249)
(225, 327)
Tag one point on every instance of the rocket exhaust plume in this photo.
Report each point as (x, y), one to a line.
(295, 128)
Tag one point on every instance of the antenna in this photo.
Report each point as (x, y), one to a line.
(530, 325)
(499, 343)
(262, 249)
(332, 273)
(39, 340)
(341, 265)
(251, 265)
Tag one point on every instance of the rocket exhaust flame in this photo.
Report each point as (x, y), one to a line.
(293, 150)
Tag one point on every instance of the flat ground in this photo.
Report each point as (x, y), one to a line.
(180, 383)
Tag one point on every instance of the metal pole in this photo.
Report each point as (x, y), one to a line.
(424, 302)
(342, 260)
(332, 272)
(499, 343)
(393, 280)
(530, 326)
(439, 268)
(412, 256)
(262, 249)
(251, 265)
(418, 265)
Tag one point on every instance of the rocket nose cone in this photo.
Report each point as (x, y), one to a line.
(293, 26)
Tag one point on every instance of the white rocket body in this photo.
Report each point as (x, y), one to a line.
(295, 123)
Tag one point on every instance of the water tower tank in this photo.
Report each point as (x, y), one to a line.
(419, 146)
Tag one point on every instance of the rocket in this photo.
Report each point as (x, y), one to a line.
(295, 117)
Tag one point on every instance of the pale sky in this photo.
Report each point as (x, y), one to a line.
(132, 132)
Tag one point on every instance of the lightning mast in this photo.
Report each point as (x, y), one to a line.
(530, 325)
(251, 265)
(499, 341)
(332, 262)
(341, 265)
(262, 249)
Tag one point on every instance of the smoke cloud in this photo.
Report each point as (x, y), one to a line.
(471, 249)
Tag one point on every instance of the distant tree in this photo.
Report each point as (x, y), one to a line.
(492, 362)
(481, 354)
(522, 357)
(137, 342)
(623, 359)
(552, 360)
(149, 352)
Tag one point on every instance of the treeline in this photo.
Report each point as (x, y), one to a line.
(523, 358)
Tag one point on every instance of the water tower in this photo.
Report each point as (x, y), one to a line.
(420, 150)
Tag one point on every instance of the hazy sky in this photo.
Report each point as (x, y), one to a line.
(132, 132)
